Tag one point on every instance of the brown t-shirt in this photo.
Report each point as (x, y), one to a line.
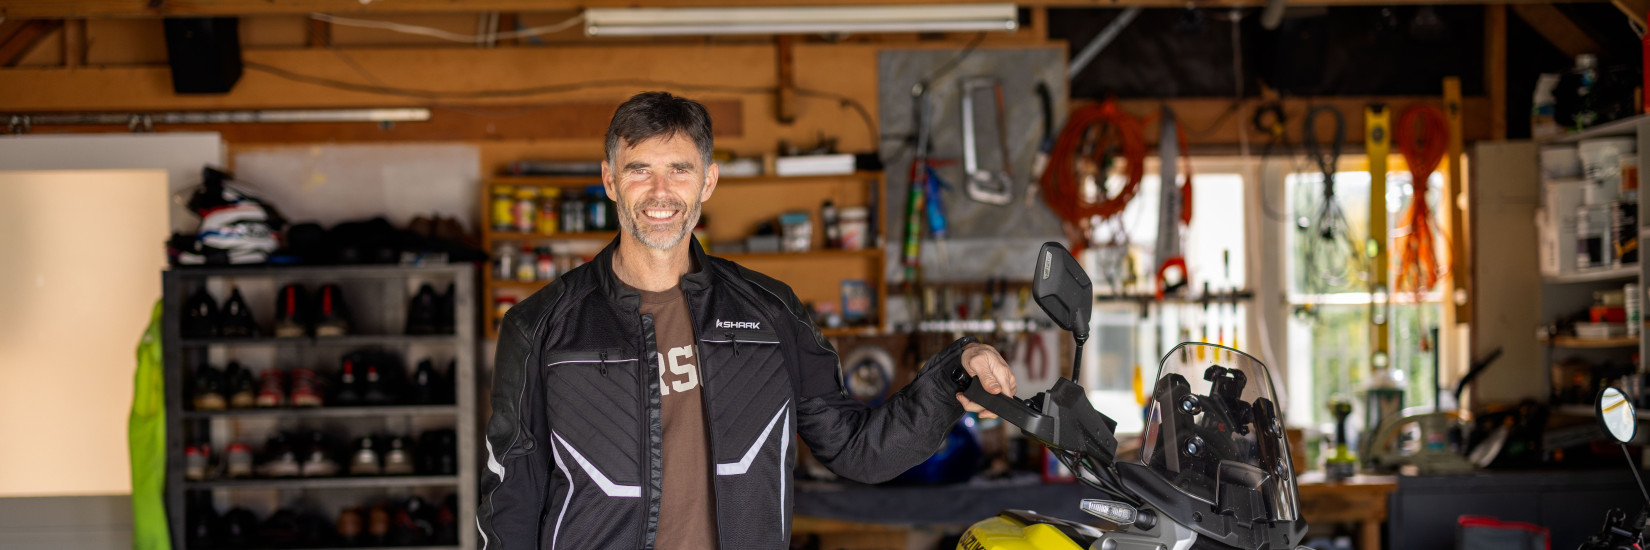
(687, 515)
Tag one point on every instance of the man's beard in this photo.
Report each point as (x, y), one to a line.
(665, 238)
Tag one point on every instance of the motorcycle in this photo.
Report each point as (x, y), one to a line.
(1214, 472)
(1615, 411)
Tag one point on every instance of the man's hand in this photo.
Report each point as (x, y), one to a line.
(984, 362)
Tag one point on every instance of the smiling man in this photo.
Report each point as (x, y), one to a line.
(648, 398)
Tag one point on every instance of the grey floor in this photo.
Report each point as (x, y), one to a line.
(66, 523)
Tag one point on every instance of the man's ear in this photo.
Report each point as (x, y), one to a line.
(607, 182)
(711, 173)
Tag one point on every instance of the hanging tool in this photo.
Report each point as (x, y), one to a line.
(919, 184)
(1115, 132)
(1174, 210)
(1377, 145)
(935, 208)
(1270, 120)
(990, 185)
(1460, 263)
(1422, 135)
(1039, 163)
(1331, 251)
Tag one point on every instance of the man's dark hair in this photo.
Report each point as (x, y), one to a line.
(649, 115)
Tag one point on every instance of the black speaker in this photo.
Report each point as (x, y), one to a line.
(204, 52)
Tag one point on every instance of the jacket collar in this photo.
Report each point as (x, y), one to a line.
(698, 279)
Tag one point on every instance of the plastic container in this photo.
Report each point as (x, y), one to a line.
(1562, 161)
(1634, 301)
(525, 212)
(796, 232)
(549, 211)
(503, 206)
(601, 210)
(1593, 236)
(526, 265)
(1601, 157)
(572, 212)
(855, 222)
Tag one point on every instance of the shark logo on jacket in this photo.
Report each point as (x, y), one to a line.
(749, 325)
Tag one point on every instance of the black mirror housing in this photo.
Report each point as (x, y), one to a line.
(1062, 288)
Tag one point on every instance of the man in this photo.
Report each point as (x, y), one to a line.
(648, 398)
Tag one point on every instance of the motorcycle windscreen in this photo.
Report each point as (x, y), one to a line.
(1215, 432)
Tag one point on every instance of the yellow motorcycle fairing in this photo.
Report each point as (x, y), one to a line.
(1004, 533)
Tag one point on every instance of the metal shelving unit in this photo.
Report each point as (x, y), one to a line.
(379, 295)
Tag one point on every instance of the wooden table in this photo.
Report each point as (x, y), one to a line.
(1361, 500)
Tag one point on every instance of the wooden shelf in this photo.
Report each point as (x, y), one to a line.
(331, 412)
(496, 236)
(516, 285)
(354, 340)
(850, 331)
(1571, 342)
(1627, 127)
(586, 181)
(1595, 275)
(325, 482)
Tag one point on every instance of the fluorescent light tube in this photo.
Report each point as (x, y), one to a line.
(799, 20)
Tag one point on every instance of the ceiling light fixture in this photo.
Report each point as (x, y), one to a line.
(800, 20)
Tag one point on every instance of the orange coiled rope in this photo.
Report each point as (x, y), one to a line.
(1063, 182)
(1418, 255)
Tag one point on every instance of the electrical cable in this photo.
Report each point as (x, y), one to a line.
(1331, 251)
(1422, 136)
(1115, 131)
(569, 87)
(489, 37)
(1270, 120)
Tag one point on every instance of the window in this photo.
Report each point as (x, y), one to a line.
(1329, 330)
(1126, 336)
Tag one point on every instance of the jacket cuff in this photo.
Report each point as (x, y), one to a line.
(937, 380)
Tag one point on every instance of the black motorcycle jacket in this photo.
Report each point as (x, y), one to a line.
(573, 446)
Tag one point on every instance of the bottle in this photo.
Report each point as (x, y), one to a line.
(503, 206)
(545, 263)
(1586, 105)
(828, 219)
(525, 213)
(504, 263)
(549, 211)
(572, 212)
(601, 211)
(1543, 125)
(526, 265)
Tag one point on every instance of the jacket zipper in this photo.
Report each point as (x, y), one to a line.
(604, 364)
(648, 373)
(735, 342)
(710, 439)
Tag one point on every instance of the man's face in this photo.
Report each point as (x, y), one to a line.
(658, 185)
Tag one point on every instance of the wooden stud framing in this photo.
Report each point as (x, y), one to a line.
(1557, 29)
(20, 43)
(785, 51)
(1495, 68)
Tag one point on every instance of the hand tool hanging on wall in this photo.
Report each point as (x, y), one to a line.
(1173, 206)
(1039, 163)
(1333, 256)
(1377, 145)
(1118, 138)
(983, 115)
(1460, 263)
(1270, 120)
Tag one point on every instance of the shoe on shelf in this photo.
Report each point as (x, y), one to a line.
(280, 530)
(398, 459)
(197, 461)
(235, 319)
(349, 383)
(426, 384)
(282, 457)
(446, 521)
(271, 389)
(350, 526)
(414, 523)
(200, 315)
(238, 529)
(241, 385)
(306, 389)
(364, 461)
(290, 318)
(239, 460)
(438, 452)
(445, 318)
(378, 524)
(331, 314)
(201, 521)
(377, 386)
(319, 462)
(208, 389)
(422, 311)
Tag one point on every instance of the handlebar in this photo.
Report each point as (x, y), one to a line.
(1061, 418)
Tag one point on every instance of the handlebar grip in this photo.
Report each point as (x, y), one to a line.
(1010, 408)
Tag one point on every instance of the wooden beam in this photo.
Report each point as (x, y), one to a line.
(508, 21)
(785, 50)
(43, 9)
(318, 34)
(1495, 68)
(74, 43)
(1635, 10)
(23, 41)
(1562, 33)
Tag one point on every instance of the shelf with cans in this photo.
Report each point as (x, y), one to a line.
(819, 234)
(305, 404)
(1589, 225)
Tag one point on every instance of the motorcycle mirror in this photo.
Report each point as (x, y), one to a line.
(1063, 290)
(1617, 414)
